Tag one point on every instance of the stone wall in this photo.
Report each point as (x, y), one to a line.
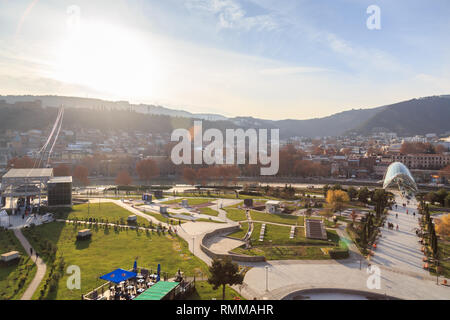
(235, 257)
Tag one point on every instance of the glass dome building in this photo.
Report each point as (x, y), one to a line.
(398, 175)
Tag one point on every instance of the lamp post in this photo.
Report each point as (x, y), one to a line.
(193, 245)
(267, 278)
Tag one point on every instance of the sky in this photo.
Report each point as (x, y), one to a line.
(272, 59)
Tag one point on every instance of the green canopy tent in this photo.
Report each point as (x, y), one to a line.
(158, 291)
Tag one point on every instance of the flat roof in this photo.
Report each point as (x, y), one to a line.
(158, 291)
(60, 179)
(29, 173)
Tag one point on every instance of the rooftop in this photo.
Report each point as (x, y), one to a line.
(29, 173)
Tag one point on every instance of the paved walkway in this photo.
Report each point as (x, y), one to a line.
(41, 267)
(400, 249)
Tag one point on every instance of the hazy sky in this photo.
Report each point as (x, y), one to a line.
(264, 58)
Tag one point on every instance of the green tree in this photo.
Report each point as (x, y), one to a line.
(380, 198)
(352, 193)
(363, 194)
(337, 186)
(441, 194)
(447, 200)
(224, 272)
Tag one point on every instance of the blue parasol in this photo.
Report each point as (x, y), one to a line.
(158, 277)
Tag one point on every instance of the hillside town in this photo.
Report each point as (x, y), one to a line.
(107, 154)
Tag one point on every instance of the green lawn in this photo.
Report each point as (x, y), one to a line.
(209, 211)
(276, 218)
(105, 211)
(204, 291)
(277, 245)
(209, 220)
(163, 218)
(107, 250)
(14, 277)
(285, 252)
(235, 214)
(240, 234)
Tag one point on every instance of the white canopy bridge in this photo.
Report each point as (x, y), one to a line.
(43, 155)
(28, 186)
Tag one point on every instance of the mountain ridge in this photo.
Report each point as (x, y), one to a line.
(410, 117)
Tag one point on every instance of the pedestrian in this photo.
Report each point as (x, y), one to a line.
(397, 228)
(31, 251)
(37, 256)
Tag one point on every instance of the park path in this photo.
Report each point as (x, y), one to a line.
(191, 232)
(399, 249)
(41, 266)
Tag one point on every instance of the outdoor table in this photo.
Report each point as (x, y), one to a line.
(140, 290)
(139, 276)
(140, 280)
(149, 284)
(130, 287)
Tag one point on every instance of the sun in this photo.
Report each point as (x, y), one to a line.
(107, 58)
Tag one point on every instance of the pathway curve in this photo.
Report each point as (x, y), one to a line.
(41, 266)
(191, 232)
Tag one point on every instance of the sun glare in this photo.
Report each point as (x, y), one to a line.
(108, 59)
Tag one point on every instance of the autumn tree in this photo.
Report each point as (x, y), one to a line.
(80, 175)
(417, 147)
(443, 226)
(336, 199)
(123, 178)
(147, 169)
(203, 175)
(61, 170)
(445, 172)
(20, 163)
(189, 175)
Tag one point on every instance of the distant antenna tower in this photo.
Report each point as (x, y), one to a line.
(43, 156)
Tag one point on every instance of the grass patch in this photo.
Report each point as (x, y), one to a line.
(240, 234)
(236, 214)
(16, 276)
(204, 291)
(209, 211)
(106, 211)
(285, 252)
(107, 250)
(208, 220)
(164, 218)
(277, 245)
